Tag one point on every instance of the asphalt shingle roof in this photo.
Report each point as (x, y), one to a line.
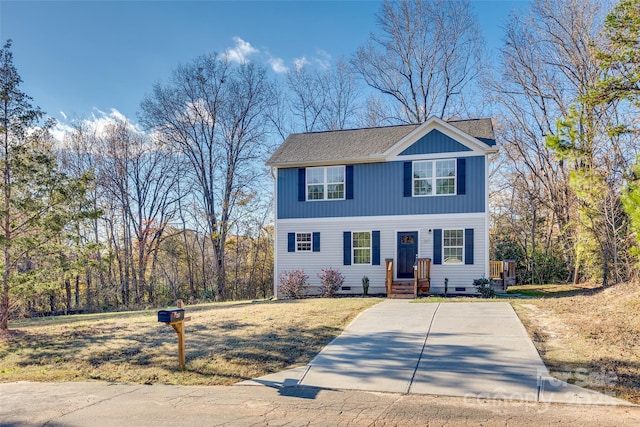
(360, 144)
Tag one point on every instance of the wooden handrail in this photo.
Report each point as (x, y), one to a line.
(388, 282)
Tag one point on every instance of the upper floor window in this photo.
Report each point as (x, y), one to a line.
(325, 183)
(434, 177)
(453, 246)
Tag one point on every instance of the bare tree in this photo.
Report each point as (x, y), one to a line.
(215, 114)
(323, 99)
(342, 103)
(426, 57)
(548, 63)
(78, 157)
(308, 97)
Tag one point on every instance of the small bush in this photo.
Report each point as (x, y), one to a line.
(293, 284)
(331, 281)
(483, 285)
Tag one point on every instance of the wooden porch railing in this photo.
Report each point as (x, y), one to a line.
(495, 269)
(504, 271)
(422, 276)
(388, 282)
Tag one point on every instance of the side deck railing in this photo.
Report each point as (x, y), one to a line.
(495, 269)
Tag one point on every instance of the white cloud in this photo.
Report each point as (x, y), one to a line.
(299, 63)
(60, 130)
(277, 65)
(241, 52)
(64, 116)
(96, 124)
(323, 60)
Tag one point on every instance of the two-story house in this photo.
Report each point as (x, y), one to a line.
(351, 199)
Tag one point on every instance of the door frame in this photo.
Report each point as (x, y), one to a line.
(417, 246)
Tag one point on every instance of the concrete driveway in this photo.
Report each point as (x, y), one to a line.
(476, 350)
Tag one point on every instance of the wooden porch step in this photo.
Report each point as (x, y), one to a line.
(401, 290)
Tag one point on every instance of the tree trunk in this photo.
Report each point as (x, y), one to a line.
(77, 305)
(4, 303)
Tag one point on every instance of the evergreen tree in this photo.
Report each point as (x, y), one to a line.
(36, 200)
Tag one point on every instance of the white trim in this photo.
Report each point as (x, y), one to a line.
(275, 232)
(358, 219)
(486, 219)
(434, 178)
(463, 247)
(325, 183)
(436, 156)
(297, 233)
(353, 258)
(397, 262)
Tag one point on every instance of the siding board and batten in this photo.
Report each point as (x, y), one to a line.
(378, 198)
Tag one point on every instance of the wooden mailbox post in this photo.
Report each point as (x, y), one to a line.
(175, 318)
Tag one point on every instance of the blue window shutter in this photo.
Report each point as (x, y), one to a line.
(291, 242)
(437, 246)
(302, 185)
(375, 248)
(316, 241)
(349, 182)
(346, 256)
(408, 178)
(462, 176)
(468, 245)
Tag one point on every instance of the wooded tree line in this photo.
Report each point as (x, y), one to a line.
(178, 204)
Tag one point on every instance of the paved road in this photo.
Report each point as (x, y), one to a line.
(97, 404)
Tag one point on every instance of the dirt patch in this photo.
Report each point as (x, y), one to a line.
(589, 337)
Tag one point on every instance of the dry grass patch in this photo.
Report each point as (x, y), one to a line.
(588, 336)
(225, 343)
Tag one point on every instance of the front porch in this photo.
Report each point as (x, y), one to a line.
(501, 274)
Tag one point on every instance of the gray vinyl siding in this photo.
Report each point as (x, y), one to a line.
(378, 191)
(331, 252)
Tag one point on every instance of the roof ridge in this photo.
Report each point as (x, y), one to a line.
(354, 129)
(388, 126)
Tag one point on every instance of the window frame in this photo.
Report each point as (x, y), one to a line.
(354, 248)
(325, 183)
(433, 179)
(461, 247)
(304, 242)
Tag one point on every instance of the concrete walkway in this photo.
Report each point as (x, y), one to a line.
(471, 350)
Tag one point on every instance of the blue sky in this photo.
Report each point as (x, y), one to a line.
(79, 58)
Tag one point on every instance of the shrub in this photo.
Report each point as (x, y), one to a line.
(483, 285)
(293, 284)
(331, 281)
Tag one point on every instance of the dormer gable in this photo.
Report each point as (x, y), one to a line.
(435, 137)
(434, 142)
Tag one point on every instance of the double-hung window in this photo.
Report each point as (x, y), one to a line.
(361, 246)
(325, 183)
(434, 177)
(303, 242)
(453, 246)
